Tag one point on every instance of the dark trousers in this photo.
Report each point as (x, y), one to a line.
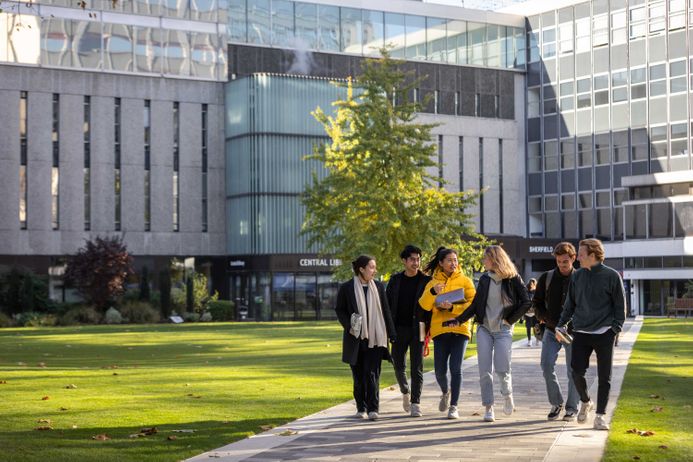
(449, 350)
(366, 374)
(408, 339)
(583, 346)
(530, 321)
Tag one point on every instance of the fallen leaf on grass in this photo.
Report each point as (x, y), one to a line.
(41, 364)
(663, 446)
(101, 437)
(172, 437)
(20, 363)
(45, 398)
(654, 396)
(646, 433)
(266, 427)
(3, 382)
(115, 373)
(46, 421)
(183, 431)
(194, 396)
(72, 386)
(288, 432)
(43, 428)
(74, 427)
(636, 457)
(63, 409)
(657, 409)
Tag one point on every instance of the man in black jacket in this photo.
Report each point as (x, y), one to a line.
(403, 293)
(596, 306)
(550, 294)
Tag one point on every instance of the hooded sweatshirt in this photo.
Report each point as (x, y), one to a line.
(457, 280)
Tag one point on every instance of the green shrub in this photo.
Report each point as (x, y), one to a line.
(34, 319)
(80, 314)
(206, 317)
(5, 321)
(178, 299)
(191, 316)
(112, 316)
(139, 312)
(222, 310)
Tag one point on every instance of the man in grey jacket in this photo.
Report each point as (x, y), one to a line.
(596, 305)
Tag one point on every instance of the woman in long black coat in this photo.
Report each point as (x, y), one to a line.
(365, 348)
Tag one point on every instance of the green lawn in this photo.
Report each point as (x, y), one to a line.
(656, 396)
(225, 381)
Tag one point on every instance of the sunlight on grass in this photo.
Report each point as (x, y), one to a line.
(656, 396)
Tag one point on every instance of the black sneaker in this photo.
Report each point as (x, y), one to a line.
(555, 412)
(569, 416)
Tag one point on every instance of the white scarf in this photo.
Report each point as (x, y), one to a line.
(373, 323)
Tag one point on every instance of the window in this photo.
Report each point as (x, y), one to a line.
(582, 35)
(23, 146)
(584, 97)
(601, 149)
(566, 35)
(658, 141)
(567, 153)
(677, 14)
(601, 90)
(533, 101)
(205, 147)
(481, 185)
(534, 157)
(677, 77)
(620, 146)
(86, 134)
(116, 173)
(477, 105)
(584, 150)
(176, 166)
(679, 139)
(619, 32)
(500, 183)
(147, 167)
(657, 17)
(548, 43)
(600, 30)
(638, 87)
(637, 15)
(440, 161)
(639, 144)
(460, 157)
(567, 98)
(658, 82)
(55, 171)
(619, 86)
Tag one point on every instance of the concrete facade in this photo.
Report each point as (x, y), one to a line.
(72, 86)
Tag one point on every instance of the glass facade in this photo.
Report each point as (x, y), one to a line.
(608, 97)
(358, 31)
(269, 130)
(51, 37)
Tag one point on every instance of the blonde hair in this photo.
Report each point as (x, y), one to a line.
(502, 265)
(594, 247)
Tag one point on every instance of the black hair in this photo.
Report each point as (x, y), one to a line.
(408, 250)
(440, 255)
(360, 262)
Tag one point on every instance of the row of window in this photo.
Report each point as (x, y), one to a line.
(86, 135)
(330, 28)
(196, 10)
(60, 42)
(639, 221)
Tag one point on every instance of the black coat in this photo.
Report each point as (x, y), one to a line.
(420, 315)
(346, 305)
(513, 288)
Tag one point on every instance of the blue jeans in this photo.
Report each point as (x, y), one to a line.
(449, 348)
(549, 354)
(494, 350)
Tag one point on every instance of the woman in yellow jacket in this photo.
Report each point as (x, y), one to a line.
(450, 338)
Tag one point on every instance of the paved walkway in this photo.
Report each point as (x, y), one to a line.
(333, 435)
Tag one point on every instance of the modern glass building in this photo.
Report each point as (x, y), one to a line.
(182, 126)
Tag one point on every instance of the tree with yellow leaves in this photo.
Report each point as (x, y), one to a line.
(380, 193)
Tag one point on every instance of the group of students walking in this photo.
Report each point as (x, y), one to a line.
(580, 311)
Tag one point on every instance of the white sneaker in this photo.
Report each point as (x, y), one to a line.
(489, 416)
(452, 413)
(444, 402)
(416, 410)
(600, 422)
(406, 402)
(509, 405)
(529, 343)
(361, 415)
(373, 415)
(585, 408)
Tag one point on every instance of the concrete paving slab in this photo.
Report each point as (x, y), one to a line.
(526, 435)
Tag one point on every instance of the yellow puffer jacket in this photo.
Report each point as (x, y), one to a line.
(457, 280)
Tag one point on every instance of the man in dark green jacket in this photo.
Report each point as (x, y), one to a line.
(597, 307)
